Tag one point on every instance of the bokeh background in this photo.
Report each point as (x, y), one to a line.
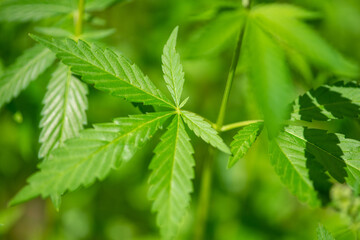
(247, 202)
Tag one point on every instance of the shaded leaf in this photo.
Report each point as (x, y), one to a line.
(328, 102)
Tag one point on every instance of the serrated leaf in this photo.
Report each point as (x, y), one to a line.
(328, 102)
(64, 109)
(34, 10)
(296, 34)
(26, 69)
(107, 70)
(243, 141)
(170, 181)
(287, 155)
(91, 155)
(172, 68)
(269, 76)
(323, 233)
(204, 130)
(213, 36)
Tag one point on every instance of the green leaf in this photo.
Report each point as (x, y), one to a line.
(170, 181)
(91, 155)
(323, 233)
(328, 102)
(34, 10)
(108, 71)
(172, 68)
(211, 38)
(287, 155)
(204, 130)
(289, 29)
(269, 76)
(64, 109)
(243, 141)
(26, 69)
(100, 5)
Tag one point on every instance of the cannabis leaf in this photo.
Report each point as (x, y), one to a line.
(283, 21)
(91, 155)
(27, 68)
(204, 130)
(287, 155)
(34, 10)
(64, 110)
(172, 68)
(328, 102)
(208, 40)
(323, 233)
(170, 181)
(243, 141)
(271, 85)
(108, 71)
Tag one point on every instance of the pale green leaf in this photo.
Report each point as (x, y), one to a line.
(34, 10)
(170, 181)
(172, 68)
(212, 37)
(269, 76)
(91, 155)
(204, 130)
(108, 71)
(64, 109)
(100, 5)
(243, 141)
(296, 34)
(323, 233)
(26, 69)
(328, 102)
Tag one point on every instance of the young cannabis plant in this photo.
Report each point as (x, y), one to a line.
(91, 155)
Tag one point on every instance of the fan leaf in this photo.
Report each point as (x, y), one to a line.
(64, 109)
(26, 69)
(91, 155)
(204, 130)
(108, 71)
(170, 181)
(243, 141)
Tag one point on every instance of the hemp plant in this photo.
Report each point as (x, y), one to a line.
(307, 159)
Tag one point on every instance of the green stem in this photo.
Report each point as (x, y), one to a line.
(238, 125)
(206, 178)
(79, 19)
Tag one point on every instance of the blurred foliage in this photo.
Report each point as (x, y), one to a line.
(248, 201)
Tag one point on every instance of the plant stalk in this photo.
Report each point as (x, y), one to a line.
(79, 19)
(206, 178)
